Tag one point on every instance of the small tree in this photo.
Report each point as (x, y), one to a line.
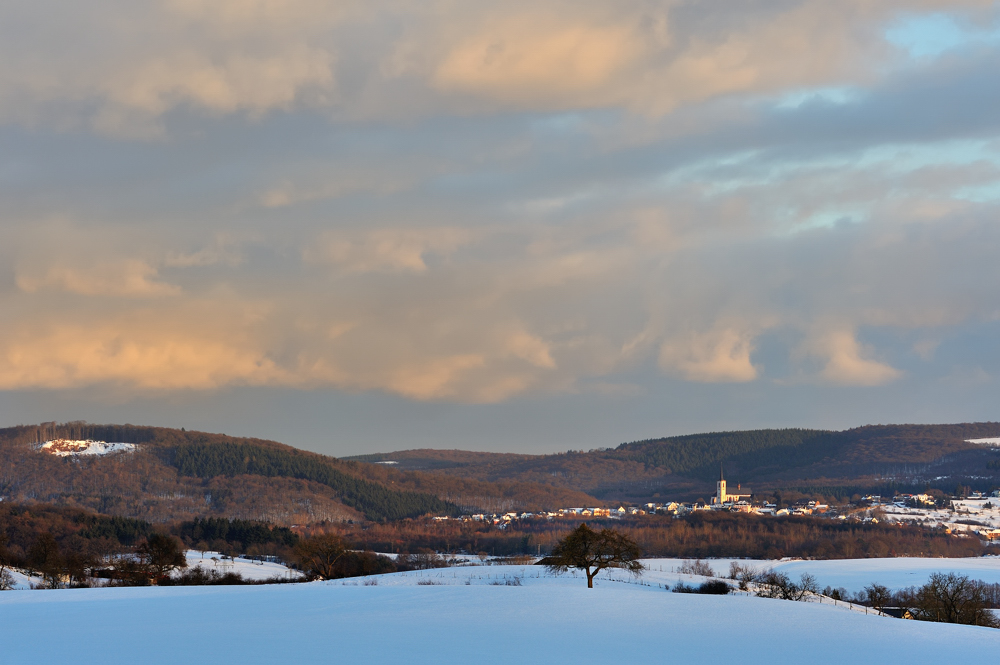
(6, 579)
(318, 555)
(46, 557)
(878, 596)
(593, 551)
(160, 555)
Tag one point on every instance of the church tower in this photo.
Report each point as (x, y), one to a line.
(720, 488)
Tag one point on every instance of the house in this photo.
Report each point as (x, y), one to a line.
(990, 534)
(898, 612)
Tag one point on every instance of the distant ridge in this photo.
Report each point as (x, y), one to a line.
(872, 457)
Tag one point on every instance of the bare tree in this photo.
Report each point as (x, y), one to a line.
(878, 596)
(745, 574)
(593, 551)
(318, 555)
(160, 555)
(954, 598)
(773, 584)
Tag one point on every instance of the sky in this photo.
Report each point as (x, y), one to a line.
(522, 226)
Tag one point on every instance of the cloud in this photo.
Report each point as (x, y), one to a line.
(131, 66)
(717, 357)
(848, 362)
(536, 55)
(143, 354)
(123, 277)
(239, 82)
(386, 250)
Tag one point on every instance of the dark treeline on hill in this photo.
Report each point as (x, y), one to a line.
(235, 536)
(688, 453)
(81, 531)
(61, 542)
(377, 502)
(74, 529)
(696, 535)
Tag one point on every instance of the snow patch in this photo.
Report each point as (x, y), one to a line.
(249, 569)
(67, 447)
(992, 441)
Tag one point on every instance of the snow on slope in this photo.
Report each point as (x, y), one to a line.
(992, 441)
(66, 447)
(855, 574)
(249, 570)
(550, 620)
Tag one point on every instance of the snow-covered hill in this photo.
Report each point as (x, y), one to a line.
(467, 614)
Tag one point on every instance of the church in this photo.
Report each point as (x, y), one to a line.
(723, 496)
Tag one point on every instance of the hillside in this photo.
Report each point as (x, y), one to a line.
(870, 458)
(166, 474)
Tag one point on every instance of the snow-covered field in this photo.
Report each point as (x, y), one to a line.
(854, 574)
(67, 447)
(249, 570)
(457, 615)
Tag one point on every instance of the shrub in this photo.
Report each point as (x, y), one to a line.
(711, 587)
(697, 567)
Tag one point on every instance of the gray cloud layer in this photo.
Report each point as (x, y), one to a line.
(463, 205)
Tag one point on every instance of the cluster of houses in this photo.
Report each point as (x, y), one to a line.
(728, 500)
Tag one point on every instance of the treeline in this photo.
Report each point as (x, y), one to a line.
(698, 535)
(680, 454)
(946, 598)
(77, 430)
(72, 529)
(233, 537)
(765, 453)
(376, 502)
(65, 544)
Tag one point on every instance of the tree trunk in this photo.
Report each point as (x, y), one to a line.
(590, 578)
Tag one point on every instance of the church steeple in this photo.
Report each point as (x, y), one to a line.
(721, 496)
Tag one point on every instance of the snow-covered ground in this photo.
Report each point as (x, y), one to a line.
(853, 574)
(249, 570)
(66, 447)
(984, 513)
(22, 581)
(403, 619)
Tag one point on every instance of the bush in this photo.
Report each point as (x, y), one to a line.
(772, 584)
(711, 587)
(697, 567)
(745, 574)
(198, 576)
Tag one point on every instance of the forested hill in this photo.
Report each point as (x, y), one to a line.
(873, 457)
(199, 455)
(177, 474)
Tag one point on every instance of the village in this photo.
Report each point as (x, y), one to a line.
(976, 514)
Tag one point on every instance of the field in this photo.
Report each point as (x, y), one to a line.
(477, 614)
